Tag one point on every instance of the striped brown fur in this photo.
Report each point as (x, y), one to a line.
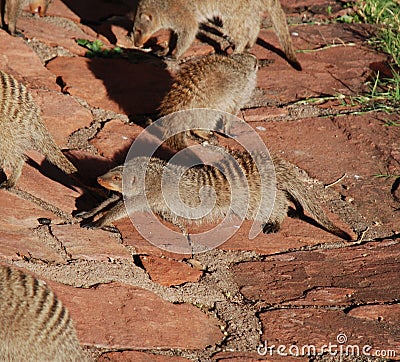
(281, 182)
(240, 22)
(22, 129)
(219, 82)
(35, 326)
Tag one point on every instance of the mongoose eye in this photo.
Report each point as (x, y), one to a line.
(117, 178)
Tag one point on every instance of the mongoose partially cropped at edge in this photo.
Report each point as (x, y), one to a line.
(241, 22)
(289, 187)
(35, 326)
(220, 82)
(12, 8)
(22, 129)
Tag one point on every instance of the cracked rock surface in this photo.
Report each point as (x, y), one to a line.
(132, 301)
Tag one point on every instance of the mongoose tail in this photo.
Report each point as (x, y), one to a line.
(278, 18)
(303, 198)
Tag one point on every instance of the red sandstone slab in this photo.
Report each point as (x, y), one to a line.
(115, 139)
(114, 84)
(294, 234)
(304, 330)
(389, 313)
(53, 34)
(59, 122)
(86, 244)
(18, 220)
(359, 274)
(332, 70)
(48, 183)
(23, 243)
(22, 62)
(122, 316)
(128, 356)
(169, 272)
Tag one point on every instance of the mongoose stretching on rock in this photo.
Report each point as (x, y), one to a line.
(35, 326)
(22, 129)
(12, 8)
(220, 82)
(241, 22)
(196, 184)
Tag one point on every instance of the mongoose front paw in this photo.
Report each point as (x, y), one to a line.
(82, 215)
(271, 227)
(89, 224)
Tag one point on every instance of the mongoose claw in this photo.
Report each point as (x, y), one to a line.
(271, 227)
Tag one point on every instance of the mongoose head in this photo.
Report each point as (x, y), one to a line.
(137, 171)
(112, 180)
(247, 60)
(145, 25)
(39, 6)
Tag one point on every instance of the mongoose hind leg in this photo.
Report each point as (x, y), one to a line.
(15, 174)
(279, 211)
(186, 36)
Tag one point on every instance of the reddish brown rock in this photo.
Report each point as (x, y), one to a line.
(23, 63)
(389, 313)
(82, 243)
(169, 272)
(122, 316)
(59, 122)
(303, 330)
(18, 220)
(115, 139)
(327, 69)
(42, 177)
(128, 356)
(131, 237)
(294, 234)
(53, 34)
(128, 88)
(290, 277)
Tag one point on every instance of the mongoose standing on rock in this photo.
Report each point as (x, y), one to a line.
(35, 326)
(21, 129)
(220, 82)
(241, 22)
(12, 9)
(223, 179)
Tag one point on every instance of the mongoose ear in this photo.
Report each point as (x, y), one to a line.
(146, 17)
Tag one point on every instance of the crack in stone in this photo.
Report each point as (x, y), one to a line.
(46, 235)
(43, 204)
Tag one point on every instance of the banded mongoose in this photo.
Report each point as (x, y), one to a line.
(35, 326)
(289, 188)
(22, 129)
(219, 82)
(241, 22)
